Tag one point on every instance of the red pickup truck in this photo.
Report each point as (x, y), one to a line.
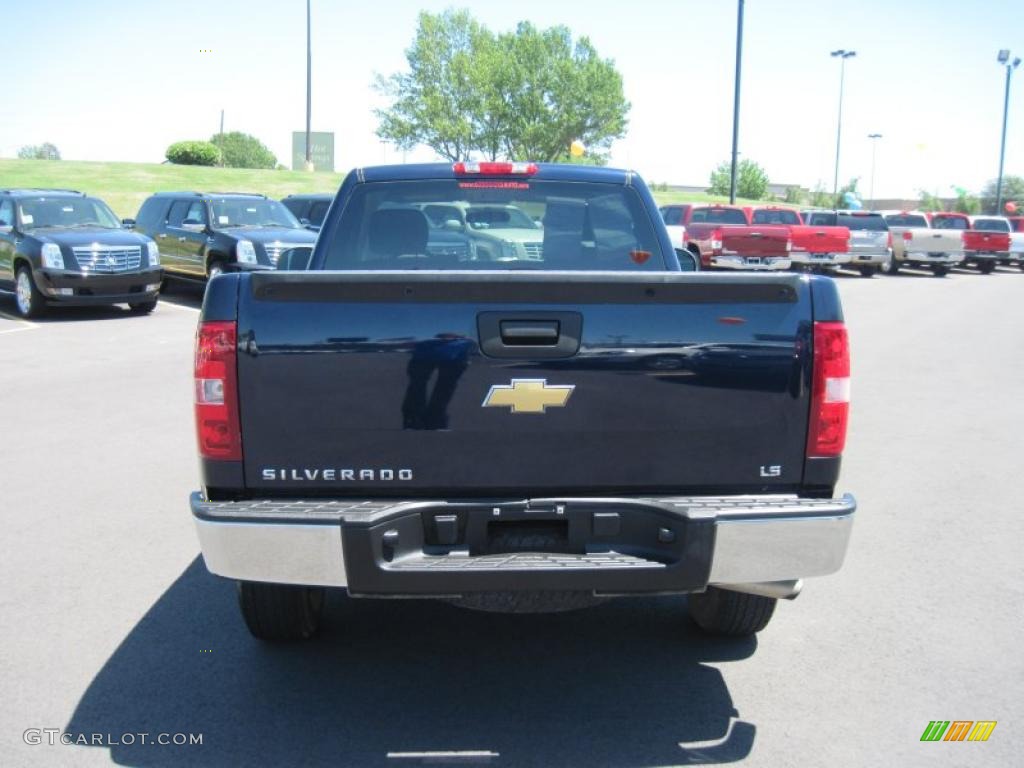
(812, 247)
(723, 237)
(984, 249)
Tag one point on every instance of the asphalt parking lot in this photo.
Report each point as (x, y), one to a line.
(111, 624)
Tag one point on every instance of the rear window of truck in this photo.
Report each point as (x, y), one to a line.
(717, 216)
(788, 218)
(991, 225)
(906, 220)
(949, 222)
(486, 223)
(871, 223)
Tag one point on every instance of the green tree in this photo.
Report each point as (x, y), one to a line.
(966, 202)
(44, 151)
(930, 201)
(794, 196)
(193, 153)
(751, 180)
(1013, 189)
(522, 95)
(240, 150)
(820, 197)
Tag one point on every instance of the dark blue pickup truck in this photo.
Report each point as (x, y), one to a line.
(565, 411)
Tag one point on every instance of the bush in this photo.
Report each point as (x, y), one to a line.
(794, 196)
(820, 197)
(240, 150)
(930, 201)
(193, 153)
(45, 151)
(751, 180)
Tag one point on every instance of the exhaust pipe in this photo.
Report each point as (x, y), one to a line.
(782, 590)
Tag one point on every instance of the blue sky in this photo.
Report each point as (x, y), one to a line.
(120, 80)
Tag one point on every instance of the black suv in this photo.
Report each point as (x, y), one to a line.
(201, 235)
(58, 246)
(310, 210)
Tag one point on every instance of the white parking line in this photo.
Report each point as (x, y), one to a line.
(23, 325)
(182, 307)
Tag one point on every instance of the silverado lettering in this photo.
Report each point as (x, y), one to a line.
(333, 475)
(433, 284)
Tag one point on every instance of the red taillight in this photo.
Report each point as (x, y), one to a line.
(216, 392)
(830, 391)
(495, 169)
(889, 239)
(908, 236)
(716, 240)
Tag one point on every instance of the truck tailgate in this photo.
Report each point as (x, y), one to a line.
(921, 239)
(755, 241)
(820, 239)
(986, 242)
(498, 382)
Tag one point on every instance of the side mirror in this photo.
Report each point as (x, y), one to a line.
(128, 223)
(687, 261)
(5, 228)
(304, 222)
(295, 259)
(453, 225)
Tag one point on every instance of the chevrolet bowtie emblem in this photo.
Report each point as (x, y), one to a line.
(528, 395)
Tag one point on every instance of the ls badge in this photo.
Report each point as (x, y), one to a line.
(528, 396)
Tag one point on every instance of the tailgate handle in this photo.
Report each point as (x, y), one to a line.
(529, 333)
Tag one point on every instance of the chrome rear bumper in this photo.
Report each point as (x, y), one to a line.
(616, 546)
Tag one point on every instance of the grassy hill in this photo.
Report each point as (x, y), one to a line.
(125, 185)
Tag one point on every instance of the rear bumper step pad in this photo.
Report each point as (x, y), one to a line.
(605, 545)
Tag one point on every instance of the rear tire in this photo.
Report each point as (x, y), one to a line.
(734, 614)
(29, 301)
(280, 612)
(940, 271)
(142, 307)
(868, 271)
(216, 268)
(987, 267)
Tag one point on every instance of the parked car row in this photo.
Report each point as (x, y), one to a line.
(775, 238)
(60, 246)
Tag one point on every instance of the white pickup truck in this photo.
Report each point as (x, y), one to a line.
(673, 216)
(916, 244)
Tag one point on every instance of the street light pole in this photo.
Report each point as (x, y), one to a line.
(1004, 58)
(309, 88)
(843, 56)
(874, 144)
(736, 103)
